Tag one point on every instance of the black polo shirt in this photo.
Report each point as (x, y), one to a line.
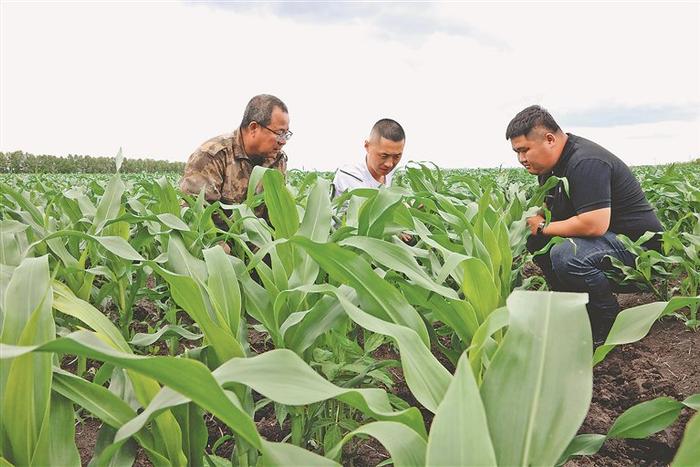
(598, 179)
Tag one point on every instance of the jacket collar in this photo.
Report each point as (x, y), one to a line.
(238, 147)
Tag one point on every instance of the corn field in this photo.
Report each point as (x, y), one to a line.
(120, 304)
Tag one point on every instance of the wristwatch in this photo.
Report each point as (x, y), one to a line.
(540, 227)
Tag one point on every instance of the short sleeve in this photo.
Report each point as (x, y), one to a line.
(590, 185)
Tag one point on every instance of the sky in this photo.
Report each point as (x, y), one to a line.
(160, 78)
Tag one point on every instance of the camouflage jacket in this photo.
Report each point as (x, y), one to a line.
(222, 167)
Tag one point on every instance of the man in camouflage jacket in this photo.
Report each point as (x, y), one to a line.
(222, 165)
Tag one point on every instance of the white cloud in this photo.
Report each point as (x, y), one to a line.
(160, 78)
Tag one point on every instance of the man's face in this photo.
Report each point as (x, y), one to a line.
(383, 155)
(536, 151)
(268, 141)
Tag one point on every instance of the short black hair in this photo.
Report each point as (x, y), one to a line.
(260, 108)
(389, 129)
(529, 118)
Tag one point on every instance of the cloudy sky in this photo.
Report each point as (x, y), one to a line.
(159, 78)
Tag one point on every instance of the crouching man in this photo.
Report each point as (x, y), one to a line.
(604, 199)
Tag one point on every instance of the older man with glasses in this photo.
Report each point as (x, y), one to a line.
(222, 165)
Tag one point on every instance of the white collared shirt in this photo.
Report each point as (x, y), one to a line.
(357, 175)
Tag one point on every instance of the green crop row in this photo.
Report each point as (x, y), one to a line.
(128, 278)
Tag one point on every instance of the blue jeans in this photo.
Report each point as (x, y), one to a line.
(581, 268)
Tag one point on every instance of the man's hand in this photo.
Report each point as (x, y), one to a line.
(588, 224)
(533, 222)
(406, 237)
(226, 247)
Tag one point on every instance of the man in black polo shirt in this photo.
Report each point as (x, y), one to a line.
(604, 199)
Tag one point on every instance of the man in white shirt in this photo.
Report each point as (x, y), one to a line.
(384, 148)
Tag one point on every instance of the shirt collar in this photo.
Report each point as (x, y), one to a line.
(566, 153)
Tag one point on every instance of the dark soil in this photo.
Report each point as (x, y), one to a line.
(86, 437)
(664, 363)
(400, 388)
(260, 342)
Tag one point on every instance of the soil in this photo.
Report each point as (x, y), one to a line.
(664, 363)
(86, 437)
(259, 342)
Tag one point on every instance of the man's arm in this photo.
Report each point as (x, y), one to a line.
(587, 224)
(203, 172)
(590, 191)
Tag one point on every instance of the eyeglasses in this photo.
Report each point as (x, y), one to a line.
(282, 135)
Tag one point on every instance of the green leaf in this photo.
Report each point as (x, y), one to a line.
(283, 454)
(377, 211)
(113, 244)
(301, 329)
(645, 419)
(378, 296)
(145, 388)
(398, 258)
(11, 250)
(482, 337)
(110, 204)
(65, 301)
(222, 285)
(255, 178)
(110, 454)
(143, 339)
(583, 445)
(181, 261)
(404, 445)
(188, 377)
(173, 222)
(283, 377)
(689, 451)
(459, 434)
(187, 295)
(119, 247)
(98, 400)
(103, 404)
(25, 381)
(36, 215)
(535, 373)
(425, 376)
(315, 226)
(479, 287)
(194, 432)
(57, 439)
(119, 159)
(457, 314)
(634, 323)
(693, 401)
(280, 205)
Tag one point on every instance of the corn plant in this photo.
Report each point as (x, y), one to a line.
(327, 281)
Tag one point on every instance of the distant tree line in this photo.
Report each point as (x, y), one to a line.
(23, 162)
